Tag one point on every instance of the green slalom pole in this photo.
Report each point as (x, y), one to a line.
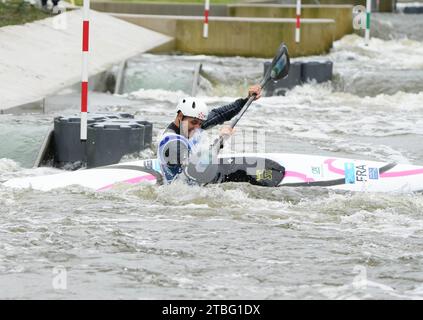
(368, 16)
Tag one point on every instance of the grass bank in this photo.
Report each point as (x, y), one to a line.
(179, 1)
(13, 12)
(79, 2)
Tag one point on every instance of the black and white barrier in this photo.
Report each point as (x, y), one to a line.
(413, 10)
(110, 136)
(300, 73)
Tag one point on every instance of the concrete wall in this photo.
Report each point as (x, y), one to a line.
(385, 5)
(342, 14)
(179, 16)
(250, 37)
(174, 9)
(191, 9)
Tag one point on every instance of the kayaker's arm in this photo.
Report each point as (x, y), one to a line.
(220, 115)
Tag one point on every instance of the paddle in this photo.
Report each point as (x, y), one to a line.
(278, 69)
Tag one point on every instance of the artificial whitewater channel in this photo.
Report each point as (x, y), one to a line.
(234, 241)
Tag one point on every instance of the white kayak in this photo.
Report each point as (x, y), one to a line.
(280, 169)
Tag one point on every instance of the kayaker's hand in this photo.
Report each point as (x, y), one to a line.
(255, 89)
(226, 132)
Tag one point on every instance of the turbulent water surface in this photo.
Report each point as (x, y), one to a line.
(234, 240)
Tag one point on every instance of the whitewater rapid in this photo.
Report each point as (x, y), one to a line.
(232, 241)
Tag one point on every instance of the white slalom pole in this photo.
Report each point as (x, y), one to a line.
(298, 25)
(206, 19)
(84, 82)
(368, 15)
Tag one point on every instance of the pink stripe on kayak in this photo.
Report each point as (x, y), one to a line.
(382, 175)
(130, 181)
(332, 168)
(401, 173)
(301, 176)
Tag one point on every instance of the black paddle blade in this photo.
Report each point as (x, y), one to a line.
(255, 170)
(202, 176)
(279, 68)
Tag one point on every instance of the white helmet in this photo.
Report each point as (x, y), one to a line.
(193, 107)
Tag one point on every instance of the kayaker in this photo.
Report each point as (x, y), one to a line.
(192, 115)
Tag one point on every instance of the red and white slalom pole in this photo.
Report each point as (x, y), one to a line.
(206, 19)
(84, 83)
(298, 25)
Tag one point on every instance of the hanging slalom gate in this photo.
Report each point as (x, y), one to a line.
(84, 80)
(92, 140)
(298, 22)
(206, 19)
(368, 17)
